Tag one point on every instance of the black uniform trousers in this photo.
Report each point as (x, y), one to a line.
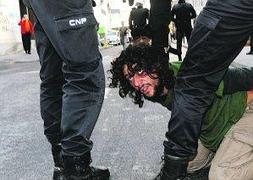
(26, 40)
(180, 34)
(160, 12)
(215, 42)
(160, 33)
(72, 75)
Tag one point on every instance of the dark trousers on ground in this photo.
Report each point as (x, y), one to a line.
(26, 40)
(214, 44)
(72, 75)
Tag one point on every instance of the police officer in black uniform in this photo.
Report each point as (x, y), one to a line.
(220, 32)
(182, 13)
(138, 21)
(72, 83)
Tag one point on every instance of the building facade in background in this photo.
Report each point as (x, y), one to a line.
(10, 37)
(109, 14)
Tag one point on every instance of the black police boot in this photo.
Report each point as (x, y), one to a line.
(78, 168)
(58, 162)
(174, 168)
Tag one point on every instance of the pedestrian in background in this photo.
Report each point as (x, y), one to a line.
(251, 45)
(138, 21)
(123, 35)
(26, 33)
(72, 84)
(181, 14)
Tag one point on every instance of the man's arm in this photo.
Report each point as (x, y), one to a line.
(193, 12)
(238, 79)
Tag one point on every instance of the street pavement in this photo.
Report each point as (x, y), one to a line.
(244, 60)
(127, 139)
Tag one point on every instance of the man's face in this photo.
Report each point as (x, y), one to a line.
(141, 81)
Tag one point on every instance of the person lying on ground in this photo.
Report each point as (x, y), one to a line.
(225, 140)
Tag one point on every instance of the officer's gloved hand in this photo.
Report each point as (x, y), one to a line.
(174, 168)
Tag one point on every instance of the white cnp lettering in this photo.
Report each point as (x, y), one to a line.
(76, 22)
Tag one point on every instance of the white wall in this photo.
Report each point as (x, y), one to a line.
(10, 37)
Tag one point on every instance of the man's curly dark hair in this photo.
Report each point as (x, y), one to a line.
(146, 58)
